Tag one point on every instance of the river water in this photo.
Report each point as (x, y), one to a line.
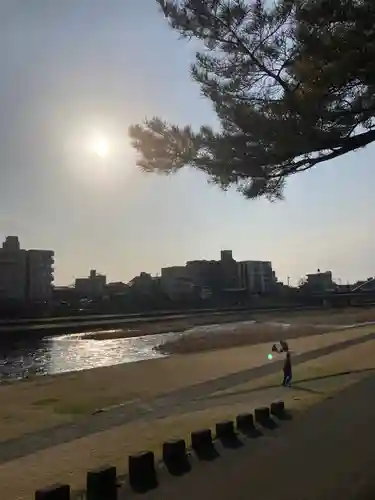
(74, 352)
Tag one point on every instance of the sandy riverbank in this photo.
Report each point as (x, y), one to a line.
(238, 329)
(41, 402)
(266, 328)
(69, 462)
(170, 325)
(305, 318)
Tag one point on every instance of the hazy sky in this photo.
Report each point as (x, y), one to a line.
(74, 70)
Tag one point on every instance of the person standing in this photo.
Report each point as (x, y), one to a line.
(287, 369)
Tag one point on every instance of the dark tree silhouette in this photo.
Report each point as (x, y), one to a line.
(292, 85)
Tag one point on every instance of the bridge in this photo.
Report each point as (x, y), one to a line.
(368, 285)
(358, 296)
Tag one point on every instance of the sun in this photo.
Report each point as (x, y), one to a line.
(100, 147)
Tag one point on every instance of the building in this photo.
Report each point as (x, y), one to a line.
(218, 278)
(179, 288)
(93, 286)
(116, 288)
(173, 272)
(143, 285)
(64, 295)
(229, 275)
(205, 274)
(257, 277)
(25, 275)
(319, 281)
(39, 275)
(176, 283)
(228, 271)
(13, 270)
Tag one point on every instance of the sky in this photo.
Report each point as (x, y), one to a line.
(76, 71)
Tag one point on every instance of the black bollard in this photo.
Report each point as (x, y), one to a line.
(245, 424)
(54, 492)
(278, 409)
(175, 457)
(142, 473)
(101, 483)
(262, 415)
(226, 433)
(201, 442)
(225, 430)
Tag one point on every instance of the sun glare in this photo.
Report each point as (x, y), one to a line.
(100, 147)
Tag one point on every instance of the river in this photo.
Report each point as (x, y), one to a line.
(74, 352)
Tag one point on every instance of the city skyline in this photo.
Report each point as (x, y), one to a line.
(95, 271)
(73, 80)
(17, 280)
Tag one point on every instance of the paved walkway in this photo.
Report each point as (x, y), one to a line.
(326, 454)
(159, 407)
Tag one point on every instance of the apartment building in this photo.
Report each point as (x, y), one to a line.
(25, 275)
(39, 274)
(228, 271)
(211, 277)
(256, 276)
(204, 273)
(176, 283)
(13, 270)
(230, 275)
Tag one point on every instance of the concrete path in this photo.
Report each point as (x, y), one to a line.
(165, 405)
(326, 454)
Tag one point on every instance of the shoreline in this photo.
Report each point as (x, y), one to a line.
(50, 401)
(53, 459)
(306, 317)
(35, 330)
(200, 335)
(323, 320)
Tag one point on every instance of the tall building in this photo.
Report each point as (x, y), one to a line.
(228, 270)
(13, 270)
(215, 277)
(230, 275)
(25, 274)
(256, 276)
(39, 274)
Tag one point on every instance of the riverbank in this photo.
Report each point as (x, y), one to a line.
(44, 402)
(58, 458)
(266, 328)
(37, 329)
(28, 357)
(125, 323)
(226, 330)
